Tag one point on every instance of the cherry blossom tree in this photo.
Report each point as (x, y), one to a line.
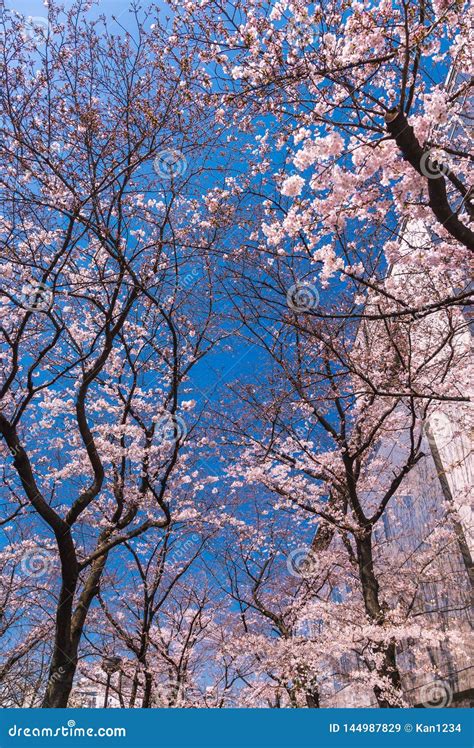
(335, 428)
(343, 482)
(23, 628)
(355, 126)
(159, 629)
(361, 165)
(102, 325)
(288, 182)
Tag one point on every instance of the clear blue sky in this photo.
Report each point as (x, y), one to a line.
(37, 7)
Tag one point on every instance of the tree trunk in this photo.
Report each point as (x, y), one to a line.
(146, 703)
(133, 693)
(64, 659)
(312, 698)
(69, 628)
(62, 671)
(384, 654)
(415, 154)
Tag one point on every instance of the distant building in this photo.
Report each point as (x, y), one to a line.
(438, 490)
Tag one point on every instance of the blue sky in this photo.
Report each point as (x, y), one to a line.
(37, 7)
(241, 360)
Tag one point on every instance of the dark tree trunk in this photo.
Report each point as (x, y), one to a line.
(133, 693)
(414, 153)
(64, 659)
(312, 699)
(386, 666)
(63, 669)
(146, 703)
(69, 628)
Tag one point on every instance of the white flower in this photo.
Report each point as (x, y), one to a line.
(188, 404)
(237, 72)
(292, 186)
